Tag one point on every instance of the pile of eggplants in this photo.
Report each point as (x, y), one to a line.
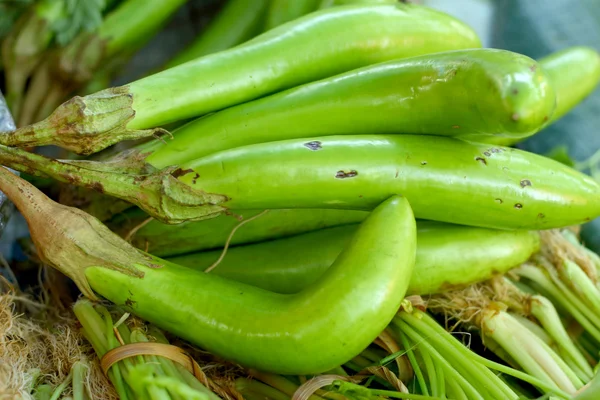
(362, 148)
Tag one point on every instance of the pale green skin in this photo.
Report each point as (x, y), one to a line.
(479, 91)
(448, 257)
(293, 54)
(445, 179)
(313, 331)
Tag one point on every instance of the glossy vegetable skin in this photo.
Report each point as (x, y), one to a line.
(295, 53)
(445, 179)
(480, 91)
(448, 257)
(312, 331)
(164, 240)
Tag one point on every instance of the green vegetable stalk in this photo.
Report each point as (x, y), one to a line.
(282, 11)
(136, 377)
(238, 21)
(295, 53)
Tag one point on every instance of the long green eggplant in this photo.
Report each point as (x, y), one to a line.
(164, 240)
(309, 332)
(481, 91)
(445, 179)
(448, 257)
(287, 56)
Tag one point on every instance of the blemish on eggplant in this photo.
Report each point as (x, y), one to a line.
(533, 68)
(455, 127)
(518, 206)
(541, 216)
(515, 117)
(344, 174)
(515, 91)
(481, 160)
(423, 162)
(525, 183)
(499, 201)
(487, 153)
(495, 150)
(314, 145)
(546, 118)
(181, 172)
(397, 172)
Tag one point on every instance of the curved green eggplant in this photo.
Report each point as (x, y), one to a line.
(309, 332)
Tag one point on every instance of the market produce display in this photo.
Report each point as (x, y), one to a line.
(313, 200)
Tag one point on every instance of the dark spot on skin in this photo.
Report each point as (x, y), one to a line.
(139, 178)
(587, 219)
(481, 160)
(495, 150)
(397, 172)
(97, 186)
(360, 196)
(195, 178)
(454, 72)
(487, 153)
(499, 201)
(344, 175)
(455, 126)
(129, 302)
(541, 216)
(546, 118)
(533, 68)
(423, 162)
(515, 91)
(518, 206)
(181, 172)
(515, 117)
(241, 292)
(525, 182)
(314, 146)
